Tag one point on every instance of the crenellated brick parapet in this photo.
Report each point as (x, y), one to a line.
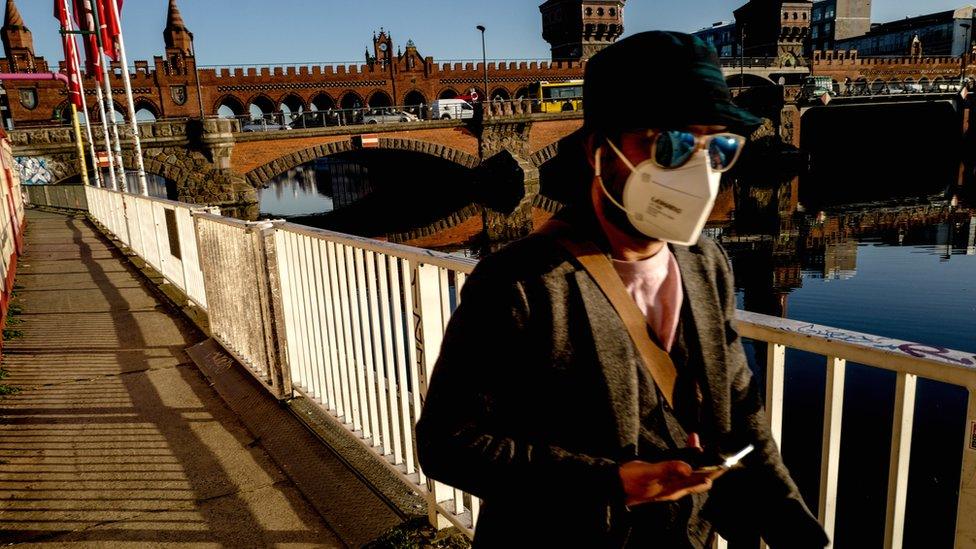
(843, 64)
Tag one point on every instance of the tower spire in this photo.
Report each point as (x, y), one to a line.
(18, 43)
(13, 17)
(176, 35)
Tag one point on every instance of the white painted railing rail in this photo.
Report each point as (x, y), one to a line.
(69, 197)
(355, 325)
(159, 231)
(909, 361)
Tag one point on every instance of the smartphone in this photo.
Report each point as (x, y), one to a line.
(712, 472)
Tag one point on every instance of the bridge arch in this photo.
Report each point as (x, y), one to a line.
(120, 113)
(351, 100)
(229, 106)
(379, 98)
(322, 102)
(260, 105)
(414, 98)
(500, 93)
(293, 103)
(522, 93)
(447, 93)
(147, 110)
(63, 113)
(261, 175)
(925, 84)
(747, 80)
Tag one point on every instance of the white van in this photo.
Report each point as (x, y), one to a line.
(451, 109)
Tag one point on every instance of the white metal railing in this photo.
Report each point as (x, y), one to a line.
(160, 231)
(68, 197)
(239, 291)
(11, 223)
(355, 325)
(909, 361)
(363, 325)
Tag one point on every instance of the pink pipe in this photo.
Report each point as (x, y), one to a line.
(35, 76)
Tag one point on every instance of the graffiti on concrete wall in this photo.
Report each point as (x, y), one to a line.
(34, 171)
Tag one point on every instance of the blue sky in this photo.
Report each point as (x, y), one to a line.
(235, 32)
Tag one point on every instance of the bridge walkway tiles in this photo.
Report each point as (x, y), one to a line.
(115, 438)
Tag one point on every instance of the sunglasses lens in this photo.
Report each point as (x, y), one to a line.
(722, 151)
(673, 148)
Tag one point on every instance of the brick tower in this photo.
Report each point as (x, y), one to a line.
(178, 38)
(577, 29)
(18, 43)
(853, 18)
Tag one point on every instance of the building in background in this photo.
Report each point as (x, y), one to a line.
(939, 34)
(723, 36)
(833, 20)
(577, 29)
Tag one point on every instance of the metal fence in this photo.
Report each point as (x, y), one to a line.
(364, 322)
(11, 225)
(161, 232)
(404, 114)
(68, 197)
(236, 265)
(355, 325)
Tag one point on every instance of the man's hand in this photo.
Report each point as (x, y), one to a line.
(665, 481)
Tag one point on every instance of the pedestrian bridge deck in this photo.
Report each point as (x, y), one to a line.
(115, 437)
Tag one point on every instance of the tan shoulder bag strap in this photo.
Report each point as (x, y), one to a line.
(658, 362)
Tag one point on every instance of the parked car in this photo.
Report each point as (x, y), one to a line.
(815, 87)
(264, 125)
(387, 115)
(451, 109)
(315, 119)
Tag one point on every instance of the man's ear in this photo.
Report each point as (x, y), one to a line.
(590, 145)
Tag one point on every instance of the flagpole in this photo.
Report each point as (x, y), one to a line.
(143, 184)
(88, 131)
(108, 144)
(117, 146)
(84, 102)
(81, 146)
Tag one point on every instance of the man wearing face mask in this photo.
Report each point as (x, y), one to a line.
(591, 373)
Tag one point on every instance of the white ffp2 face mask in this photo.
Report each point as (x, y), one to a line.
(670, 205)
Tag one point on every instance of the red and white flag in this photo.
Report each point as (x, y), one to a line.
(111, 27)
(71, 61)
(85, 18)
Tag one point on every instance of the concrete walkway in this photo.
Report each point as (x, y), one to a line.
(116, 439)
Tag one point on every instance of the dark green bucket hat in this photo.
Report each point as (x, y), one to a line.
(658, 79)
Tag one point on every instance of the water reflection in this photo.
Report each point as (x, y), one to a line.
(322, 186)
(370, 193)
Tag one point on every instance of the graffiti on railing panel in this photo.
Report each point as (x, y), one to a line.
(917, 350)
(34, 171)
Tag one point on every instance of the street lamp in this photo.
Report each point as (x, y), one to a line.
(484, 59)
(965, 54)
(196, 72)
(742, 55)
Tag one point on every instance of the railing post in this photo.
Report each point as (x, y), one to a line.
(966, 511)
(775, 379)
(272, 309)
(430, 325)
(901, 445)
(830, 456)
